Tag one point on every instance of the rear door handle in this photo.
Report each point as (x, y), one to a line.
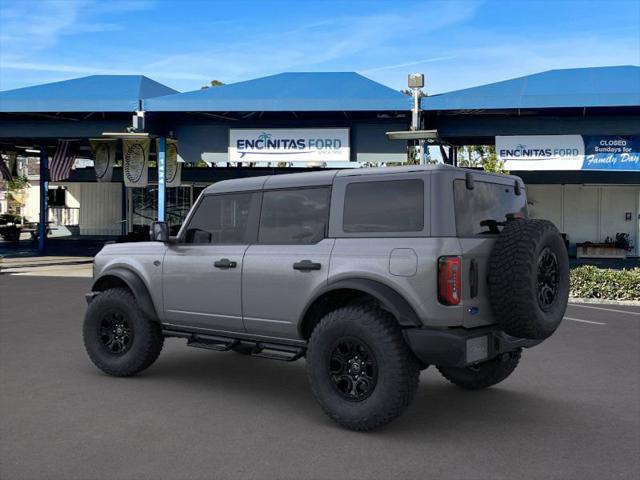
(306, 265)
(224, 263)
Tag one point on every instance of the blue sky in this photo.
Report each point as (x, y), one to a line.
(184, 44)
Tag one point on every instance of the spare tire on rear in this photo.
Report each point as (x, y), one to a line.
(529, 278)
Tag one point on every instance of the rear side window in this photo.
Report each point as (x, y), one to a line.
(221, 219)
(486, 202)
(295, 216)
(384, 206)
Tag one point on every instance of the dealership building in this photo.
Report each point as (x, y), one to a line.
(573, 135)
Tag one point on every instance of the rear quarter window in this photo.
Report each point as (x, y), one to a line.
(486, 202)
(384, 206)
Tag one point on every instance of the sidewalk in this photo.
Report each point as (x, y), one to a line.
(48, 266)
(86, 247)
(46, 261)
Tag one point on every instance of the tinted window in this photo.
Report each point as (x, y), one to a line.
(387, 206)
(294, 216)
(220, 219)
(486, 202)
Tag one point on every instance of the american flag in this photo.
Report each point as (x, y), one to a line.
(62, 161)
(4, 170)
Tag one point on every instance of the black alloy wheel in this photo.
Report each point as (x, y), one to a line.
(116, 332)
(353, 369)
(120, 338)
(548, 278)
(529, 278)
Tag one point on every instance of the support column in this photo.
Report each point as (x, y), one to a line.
(44, 200)
(124, 210)
(162, 178)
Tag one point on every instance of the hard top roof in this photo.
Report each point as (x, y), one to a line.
(311, 179)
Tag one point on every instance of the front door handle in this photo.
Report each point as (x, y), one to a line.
(306, 265)
(224, 263)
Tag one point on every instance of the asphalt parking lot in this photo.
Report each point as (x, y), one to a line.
(571, 410)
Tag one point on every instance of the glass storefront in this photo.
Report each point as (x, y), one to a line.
(143, 207)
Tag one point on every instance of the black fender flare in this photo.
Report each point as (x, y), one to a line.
(135, 284)
(390, 299)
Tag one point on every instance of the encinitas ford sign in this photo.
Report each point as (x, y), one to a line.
(289, 145)
(569, 152)
(541, 152)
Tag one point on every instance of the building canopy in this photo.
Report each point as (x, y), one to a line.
(617, 86)
(95, 93)
(288, 92)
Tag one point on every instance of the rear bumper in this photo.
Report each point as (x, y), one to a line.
(460, 347)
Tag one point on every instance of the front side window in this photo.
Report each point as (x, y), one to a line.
(220, 219)
(295, 216)
(384, 206)
(478, 210)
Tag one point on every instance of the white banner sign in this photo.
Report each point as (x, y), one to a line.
(104, 157)
(541, 152)
(136, 162)
(289, 145)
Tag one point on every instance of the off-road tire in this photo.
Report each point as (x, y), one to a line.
(514, 278)
(147, 335)
(484, 374)
(397, 369)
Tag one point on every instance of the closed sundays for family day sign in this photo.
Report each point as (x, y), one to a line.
(611, 153)
(569, 152)
(289, 145)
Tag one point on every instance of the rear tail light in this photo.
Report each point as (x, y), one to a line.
(449, 280)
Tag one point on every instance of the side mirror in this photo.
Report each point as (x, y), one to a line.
(160, 232)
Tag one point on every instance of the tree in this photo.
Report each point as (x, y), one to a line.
(475, 156)
(16, 192)
(492, 163)
(213, 83)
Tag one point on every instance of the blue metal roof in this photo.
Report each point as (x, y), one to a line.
(576, 87)
(288, 92)
(96, 93)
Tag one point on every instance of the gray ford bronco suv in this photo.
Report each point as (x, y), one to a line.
(370, 274)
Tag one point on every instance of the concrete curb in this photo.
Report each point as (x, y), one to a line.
(46, 264)
(600, 301)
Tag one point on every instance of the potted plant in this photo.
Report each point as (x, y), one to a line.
(10, 227)
(16, 190)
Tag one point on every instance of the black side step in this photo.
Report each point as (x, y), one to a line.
(274, 351)
(211, 342)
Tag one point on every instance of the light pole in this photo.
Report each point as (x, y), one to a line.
(416, 83)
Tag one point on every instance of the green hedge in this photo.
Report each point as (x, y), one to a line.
(588, 281)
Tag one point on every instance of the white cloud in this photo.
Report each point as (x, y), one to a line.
(435, 37)
(30, 27)
(494, 59)
(346, 40)
(408, 64)
(90, 70)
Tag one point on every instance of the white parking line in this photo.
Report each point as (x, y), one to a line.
(583, 321)
(603, 308)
